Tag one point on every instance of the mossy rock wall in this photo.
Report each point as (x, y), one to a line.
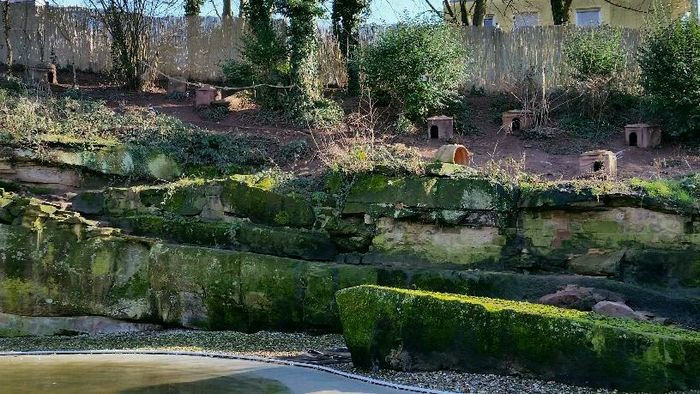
(478, 223)
(55, 263)
(211, 200)
(412, 330)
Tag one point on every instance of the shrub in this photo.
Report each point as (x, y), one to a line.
(30, 122)
(294, 150)
(322, 113)
(669, 59)
(358, 155)
(594, 53)
(418, 65)
(238, 73)
(265, 58)
(594, 58)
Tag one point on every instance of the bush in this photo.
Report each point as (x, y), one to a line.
(418, 65)
(29, 122)
(594, 58)
(238, 73)
(265, 61)
(669, 59)
(323, 113)
(594, 53)
(357, 156)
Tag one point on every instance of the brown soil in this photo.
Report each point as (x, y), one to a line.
(551, 158)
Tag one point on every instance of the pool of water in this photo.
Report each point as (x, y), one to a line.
(113, 373)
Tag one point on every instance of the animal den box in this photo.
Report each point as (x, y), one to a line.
(42, 72)
(454, 153)
(206, 95)
(602, 162)
(440, 128)
(517, 119)
(643, 135)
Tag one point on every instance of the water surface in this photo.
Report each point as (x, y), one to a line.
(112, 373)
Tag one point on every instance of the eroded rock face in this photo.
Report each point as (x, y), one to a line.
(15, 326)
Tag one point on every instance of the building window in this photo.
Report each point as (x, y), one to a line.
(488, 21)
(588, 17)
(526, 19)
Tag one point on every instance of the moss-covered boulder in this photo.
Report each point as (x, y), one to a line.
(413, 330)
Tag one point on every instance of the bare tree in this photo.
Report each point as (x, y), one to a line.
(129, 23)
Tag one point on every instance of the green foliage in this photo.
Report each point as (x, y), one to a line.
(238, 73)
(500, 103)
(346, 17)
(460, 110)
(74, 94)
(419, 65)
(587, 128)
(683, 194)
(594, 53)
(670, 62)
(595, 58)
(294, 150)
(12, 85)
(29, 122)
(265, 57)
(322, 113)
(270, 57)
(193, 7)
(404, 126)
(361, 156)
(214, 113)
(303, 54)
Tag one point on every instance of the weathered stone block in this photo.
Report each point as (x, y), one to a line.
(437, 244)
(241, 197)
(272, 292)
(412, 331)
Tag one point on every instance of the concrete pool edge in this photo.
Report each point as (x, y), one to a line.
(232, 356)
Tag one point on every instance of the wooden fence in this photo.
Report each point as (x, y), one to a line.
(73, 36)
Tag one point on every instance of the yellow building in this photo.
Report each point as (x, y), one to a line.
(511, 14)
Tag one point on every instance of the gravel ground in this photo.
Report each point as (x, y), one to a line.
(472, 382)
(287, 345)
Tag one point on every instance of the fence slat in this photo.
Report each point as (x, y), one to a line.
(69, 36)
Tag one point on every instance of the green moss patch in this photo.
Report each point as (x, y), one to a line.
(414, 330)
(388, 196)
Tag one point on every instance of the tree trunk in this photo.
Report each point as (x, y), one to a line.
(304, 48)
(463, 13)
(560, 11)
(6, 24)
(449, 11)
(479, 12)
(241, 10)
(346, 23)
(227, 12)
